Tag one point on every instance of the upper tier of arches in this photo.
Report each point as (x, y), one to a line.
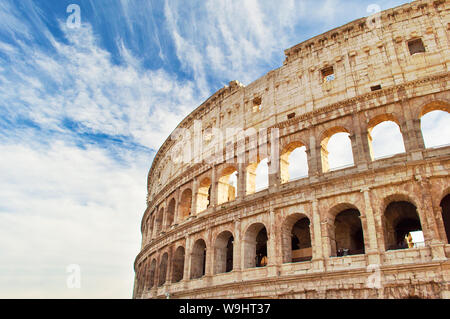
(229, 182)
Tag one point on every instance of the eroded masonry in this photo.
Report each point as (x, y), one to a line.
(209, 231)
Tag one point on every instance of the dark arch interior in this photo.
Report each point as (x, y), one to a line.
(229, 265)
(178, 265)
(198, 260)
(261, 248)
(301, 241)
(401, 218)
(445, 205)
(348, 233)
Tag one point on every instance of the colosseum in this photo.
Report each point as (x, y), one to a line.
(209, 231)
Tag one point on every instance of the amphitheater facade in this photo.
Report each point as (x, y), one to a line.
(336, 233)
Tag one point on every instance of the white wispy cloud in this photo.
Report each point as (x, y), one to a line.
(64, 205)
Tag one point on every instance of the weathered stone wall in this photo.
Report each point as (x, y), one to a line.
(301, 109)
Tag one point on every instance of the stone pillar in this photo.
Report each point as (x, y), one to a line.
(431, 233)
(314, 160)
(209, 267)
(164, 218)
(318, 253)
(412, 138)
(194, 197)
(272, 254)
(214, 187)
(169, 266)
(372, 246)
(366, 142)
(177, 203)
(187, 259)
(274, 159)
(241, 181)
(236, 246)
(359, 158)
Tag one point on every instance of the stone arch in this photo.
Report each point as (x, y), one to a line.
(171, 212)
(198, 259)
(163, 269)
(436, 105)
(178, 264)
(227, 186)
(204, 195)
(391, 123)
(184, 207)
(296, 238)
(345, 230)
(255, 246)
(286, 160)
(152, 273)
(223, 252)
(324, 143)
(435, 116)
(400, 218)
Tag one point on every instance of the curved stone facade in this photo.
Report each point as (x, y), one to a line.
(205, 238)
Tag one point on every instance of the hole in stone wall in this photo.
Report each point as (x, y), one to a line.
(416, 46)
(375, 88)
(328, 74)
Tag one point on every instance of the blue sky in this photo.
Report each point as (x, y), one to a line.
(83, 111)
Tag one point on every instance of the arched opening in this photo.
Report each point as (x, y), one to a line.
(227, 188)
(402, 226)
(445, 207)
(163, 270)
(336, 150)
(296, 237)
(151, 275)
(293, 162)
(257, 176)
(224, 253)
(184, 207)
(159, 221)
(198, 259)
(348, 236)
(203, 195)
(171, 212)
(435, 126)
(385, 138)
(178, 265)
(255, 246)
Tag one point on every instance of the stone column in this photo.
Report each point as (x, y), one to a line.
(214, 186)
(431, 233)
(318, 254)
(274, 159)
(194, 197)
(372, 249)
(177, 203)
(236, 246)
(359, 157)
(412, 138)
(187, 259)
(169, 266)
(209, 267)
(241, 181)
(272, 254)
